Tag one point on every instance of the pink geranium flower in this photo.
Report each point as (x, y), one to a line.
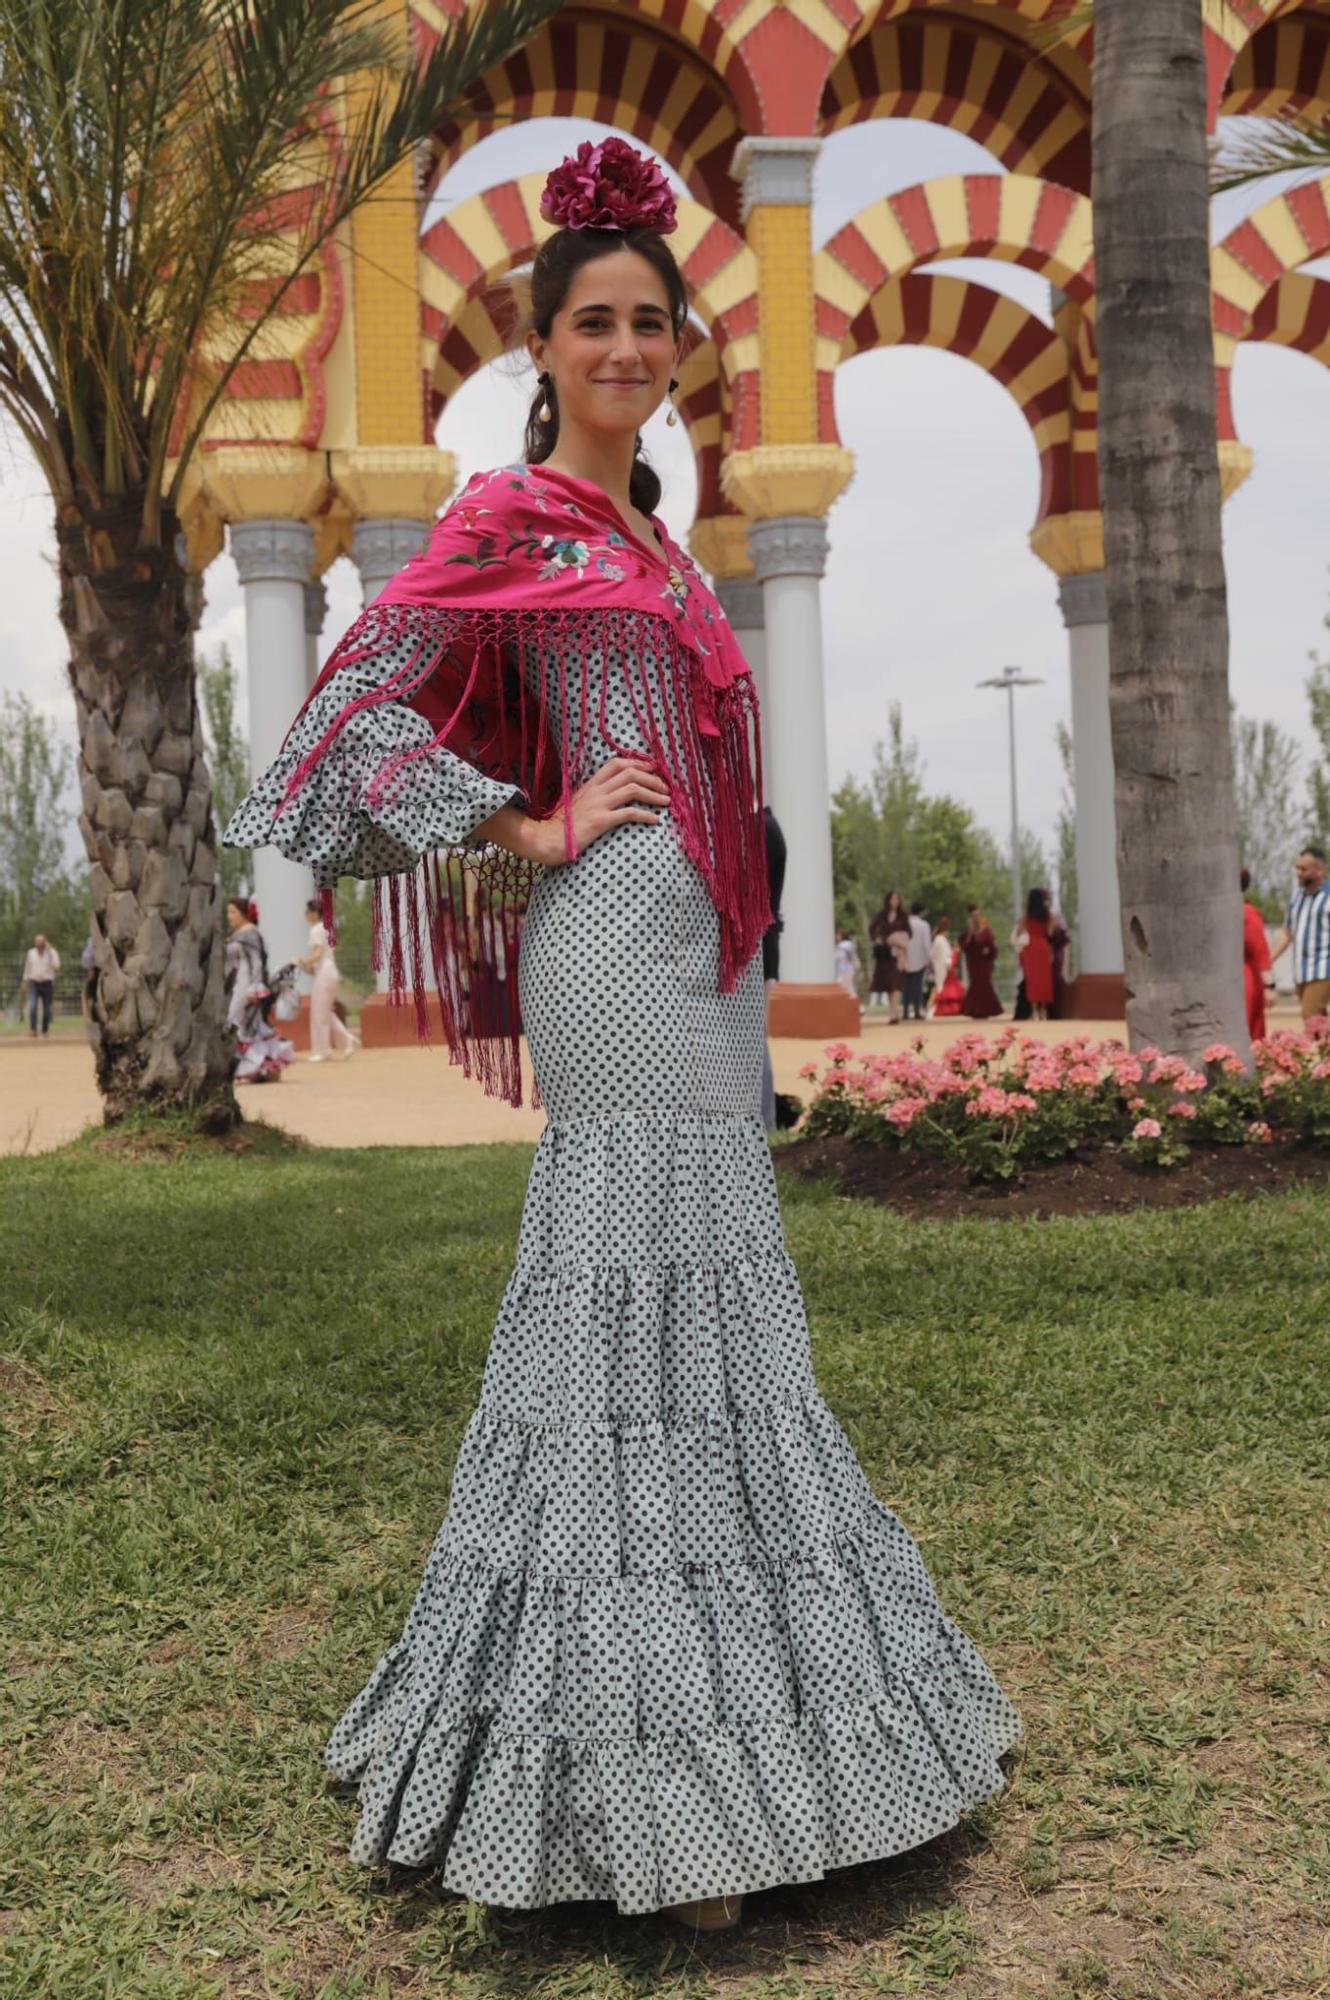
(1147, 1128)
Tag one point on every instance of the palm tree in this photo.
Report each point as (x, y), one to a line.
(1164, 568)
(165, 177)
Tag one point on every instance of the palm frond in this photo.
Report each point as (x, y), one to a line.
(1247, 150)
(169, 169)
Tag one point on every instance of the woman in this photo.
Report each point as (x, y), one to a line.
(948, 993)
(668, 1646)
(889, 934)
(847, 963)
(980, 949)
(326, 1031)
(1256, 961)
(1033, 942)
(261, 1053)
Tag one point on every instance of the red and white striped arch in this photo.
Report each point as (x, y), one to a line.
(618, 69)
(973, 77)
(1027, 357)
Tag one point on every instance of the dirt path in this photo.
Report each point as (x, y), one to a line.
(381, 1097)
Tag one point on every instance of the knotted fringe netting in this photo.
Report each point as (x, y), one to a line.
(482, 680)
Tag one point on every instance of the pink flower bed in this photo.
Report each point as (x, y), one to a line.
(997, 1104)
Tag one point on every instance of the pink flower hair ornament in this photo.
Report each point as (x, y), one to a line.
(609, 186)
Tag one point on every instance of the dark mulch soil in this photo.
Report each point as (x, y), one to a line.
(1100, 1182)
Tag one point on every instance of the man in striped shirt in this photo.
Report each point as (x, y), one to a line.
(1307, 929)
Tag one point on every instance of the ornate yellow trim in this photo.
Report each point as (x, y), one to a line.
(393, 481)
(776, 479)
(720, 545)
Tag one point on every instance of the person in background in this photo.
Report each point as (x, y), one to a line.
(847, 963)
(1256, 960)
(39, 970)
(888, 933)
(948, 992)
(326, 1030)
(88, 960)
(261, 1053)
(1059, 937)
(1033, 941)
(774, 841)
(918, 947)
(1307, 929)
(980, 949)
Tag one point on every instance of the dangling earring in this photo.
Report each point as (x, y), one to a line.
(545, 413)
(672, 416)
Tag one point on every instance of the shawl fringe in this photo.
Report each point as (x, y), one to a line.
(447, 929)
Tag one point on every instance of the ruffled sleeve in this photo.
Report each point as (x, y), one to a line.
(383, 792)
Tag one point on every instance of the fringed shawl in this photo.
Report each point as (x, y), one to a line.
(528, 566)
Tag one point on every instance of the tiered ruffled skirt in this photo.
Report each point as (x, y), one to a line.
(668, 1644)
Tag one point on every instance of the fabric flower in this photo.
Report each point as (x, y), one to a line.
(609, 185)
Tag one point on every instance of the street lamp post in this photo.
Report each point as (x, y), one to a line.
(1012, 678)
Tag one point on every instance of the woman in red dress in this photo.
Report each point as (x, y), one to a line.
(980, 948)
(1255, 961)
(1033, 939)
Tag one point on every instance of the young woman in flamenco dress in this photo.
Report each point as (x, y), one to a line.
(668, 1646)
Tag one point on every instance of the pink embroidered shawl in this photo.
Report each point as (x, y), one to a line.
(527, 555)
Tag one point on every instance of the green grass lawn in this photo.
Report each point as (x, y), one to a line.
(233, 1393)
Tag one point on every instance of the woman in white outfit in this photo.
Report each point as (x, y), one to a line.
(323, 1022)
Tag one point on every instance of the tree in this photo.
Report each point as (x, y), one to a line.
(1069, 894)
(1318, 777)
(1265, 770)
(36, 771)
(1159, 480)
(890, 833)
(169, 168)
(228, 762)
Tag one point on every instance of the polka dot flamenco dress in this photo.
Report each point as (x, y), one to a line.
(667, 1644)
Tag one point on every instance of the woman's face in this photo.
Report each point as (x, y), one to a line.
(236, 918)
(611, 348)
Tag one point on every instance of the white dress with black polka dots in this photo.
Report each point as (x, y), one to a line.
(668, 1644)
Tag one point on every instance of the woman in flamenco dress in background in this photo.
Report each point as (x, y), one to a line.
(948, 989)
(1033, 941)
(1256, 961)
(668, 1646)
(980, 948)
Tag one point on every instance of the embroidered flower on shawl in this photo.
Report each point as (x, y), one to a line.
(608, 186)
(563, 556)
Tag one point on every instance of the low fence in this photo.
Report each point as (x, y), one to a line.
(68, 985)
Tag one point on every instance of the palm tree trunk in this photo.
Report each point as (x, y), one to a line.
(1159, 477)
(158, 1017)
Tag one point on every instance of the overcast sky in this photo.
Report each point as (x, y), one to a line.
(931, 585)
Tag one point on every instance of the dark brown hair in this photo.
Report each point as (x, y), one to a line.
(558, 261)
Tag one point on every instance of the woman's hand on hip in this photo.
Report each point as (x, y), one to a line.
(625, 791)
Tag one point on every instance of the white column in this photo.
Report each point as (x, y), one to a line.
(740, 598)
(273, 559)
(789, 557)
(1085, 613)
(380, 548)
(316, 610)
